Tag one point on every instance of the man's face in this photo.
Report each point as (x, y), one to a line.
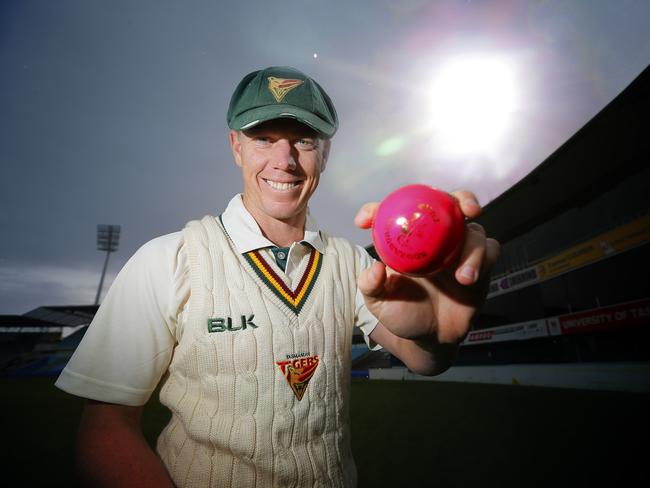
(281, 162)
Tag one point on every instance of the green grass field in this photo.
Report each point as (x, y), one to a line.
(414, 434)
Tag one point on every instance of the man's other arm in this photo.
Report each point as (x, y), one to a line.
(112, 452)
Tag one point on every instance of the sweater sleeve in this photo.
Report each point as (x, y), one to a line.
(128, 346)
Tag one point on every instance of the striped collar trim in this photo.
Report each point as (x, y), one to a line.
(294, 299)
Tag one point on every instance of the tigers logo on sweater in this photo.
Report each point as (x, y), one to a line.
(298, 369)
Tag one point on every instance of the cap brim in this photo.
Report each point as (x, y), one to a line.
(256, 116)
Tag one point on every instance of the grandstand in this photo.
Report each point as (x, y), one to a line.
(40, 342)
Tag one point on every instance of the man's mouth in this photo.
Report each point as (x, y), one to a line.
(276, 185)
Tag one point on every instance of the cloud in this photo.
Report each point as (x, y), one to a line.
(28, 286)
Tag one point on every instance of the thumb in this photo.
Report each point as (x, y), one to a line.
(366, 215)
(371, 280)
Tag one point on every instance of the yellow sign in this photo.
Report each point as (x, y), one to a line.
(625, 237)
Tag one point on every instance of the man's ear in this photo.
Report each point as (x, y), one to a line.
(235, 146)
(327, 144)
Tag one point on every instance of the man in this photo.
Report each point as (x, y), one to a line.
(249, 315)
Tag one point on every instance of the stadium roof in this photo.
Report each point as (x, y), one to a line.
(64, 320)
(69, 315)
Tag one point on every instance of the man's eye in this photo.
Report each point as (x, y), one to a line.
(262, 141)
(307, 144)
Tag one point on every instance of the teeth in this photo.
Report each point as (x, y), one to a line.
(280, 186)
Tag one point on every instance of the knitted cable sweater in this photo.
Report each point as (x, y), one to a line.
(259, 382)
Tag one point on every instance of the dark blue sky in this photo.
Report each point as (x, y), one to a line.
(114, 112)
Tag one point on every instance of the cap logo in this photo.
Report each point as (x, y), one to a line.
(279, 87)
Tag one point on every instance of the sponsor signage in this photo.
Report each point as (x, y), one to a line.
(621, 239)
(553, 326)
(513, 281)
(623, 315)
(513, 332)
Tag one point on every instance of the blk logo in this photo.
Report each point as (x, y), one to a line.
(225, 324)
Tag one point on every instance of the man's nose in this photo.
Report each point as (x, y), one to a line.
(283, 157)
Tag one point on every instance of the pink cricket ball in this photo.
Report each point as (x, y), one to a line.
(418, 230)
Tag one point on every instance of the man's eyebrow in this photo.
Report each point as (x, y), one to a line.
(252, 132)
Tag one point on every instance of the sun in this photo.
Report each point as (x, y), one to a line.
(472, 99)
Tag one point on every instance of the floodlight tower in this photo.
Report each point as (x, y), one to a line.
(108, 238)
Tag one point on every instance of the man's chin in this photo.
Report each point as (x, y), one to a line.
(286, 214)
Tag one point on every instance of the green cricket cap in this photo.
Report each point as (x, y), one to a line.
(281, 92)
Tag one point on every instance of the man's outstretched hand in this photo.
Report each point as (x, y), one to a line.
(437, 308)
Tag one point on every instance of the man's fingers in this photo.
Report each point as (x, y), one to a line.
(371, 280)
(491, 255)
(468, 203)
(366, 215)
(472, 256)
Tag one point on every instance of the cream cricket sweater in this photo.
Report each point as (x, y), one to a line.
(259, 382)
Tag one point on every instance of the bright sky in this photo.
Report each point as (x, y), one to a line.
(114, 112)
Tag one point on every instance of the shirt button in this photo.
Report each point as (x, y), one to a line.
(281, 255)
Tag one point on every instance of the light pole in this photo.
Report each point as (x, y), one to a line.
(108, 238)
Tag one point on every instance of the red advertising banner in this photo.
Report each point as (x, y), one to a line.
(623, 315)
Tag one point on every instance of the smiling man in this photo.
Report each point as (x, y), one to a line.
(248, 316)
(281, 162)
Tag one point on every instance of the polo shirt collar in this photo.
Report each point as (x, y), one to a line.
(247, 235)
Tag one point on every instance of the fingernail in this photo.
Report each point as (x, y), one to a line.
(472, 201)
(468, 273)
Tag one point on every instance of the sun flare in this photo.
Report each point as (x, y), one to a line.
(472, 99)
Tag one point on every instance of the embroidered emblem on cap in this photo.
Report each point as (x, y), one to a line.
(279, 87)
(298, 369)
